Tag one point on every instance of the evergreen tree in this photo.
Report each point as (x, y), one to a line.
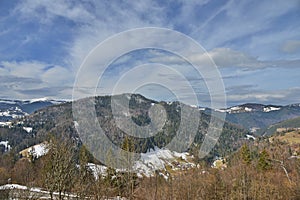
(128, 178)
(85, 176)
(264, 161)
(245, 154)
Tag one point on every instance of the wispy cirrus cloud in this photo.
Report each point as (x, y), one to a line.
(44, 42)
(226, 57)
(239, 20)
(46, 11)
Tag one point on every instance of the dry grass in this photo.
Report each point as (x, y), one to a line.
(292, 137)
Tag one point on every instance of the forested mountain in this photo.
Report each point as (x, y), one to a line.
(58, 120)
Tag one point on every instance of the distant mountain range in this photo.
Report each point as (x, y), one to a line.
(12, 109)
(254, 117)
(258, 117)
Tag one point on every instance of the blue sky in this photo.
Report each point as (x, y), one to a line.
(255, 44)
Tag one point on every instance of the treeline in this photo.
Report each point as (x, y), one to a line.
(259, 170)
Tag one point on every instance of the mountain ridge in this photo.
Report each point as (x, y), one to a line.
(252, 116)
(58, 120)
(256, 117)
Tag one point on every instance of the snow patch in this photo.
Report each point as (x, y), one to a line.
(5, 114)
(44, 194)
(46, 99)
(5, 124)
(158, 159)
(269, 109)
(6, 145)
(13, 186)
(221, 110)
(248, 109)
(39, 150)
(39, 99)
(27, 129)
(235, 108)
(36, 151)
(7, 101)
(181, 155)
(97, 169)
(250, 137)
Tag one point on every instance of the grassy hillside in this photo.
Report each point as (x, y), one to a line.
(292, 137)
(291, 123)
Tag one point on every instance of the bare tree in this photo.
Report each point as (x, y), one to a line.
(59, 167)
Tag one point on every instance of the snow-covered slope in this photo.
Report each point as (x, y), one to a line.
(36, 151)
(161, 159)
(158, 160)
(45, 99)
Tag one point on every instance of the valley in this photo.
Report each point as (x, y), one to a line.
(31, 142)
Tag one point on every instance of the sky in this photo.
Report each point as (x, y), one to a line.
(254, 44)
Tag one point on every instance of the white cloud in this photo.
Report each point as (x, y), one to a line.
(23, 69)
(159, 38)
(33, 79)
(280, 97)
(57, 75)
(45, 11)
(226, 57)
(113, 18)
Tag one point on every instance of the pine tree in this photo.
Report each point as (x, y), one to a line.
(128, 178)
(110, 180)
(245, 154)
(84, 177)
(264, 161)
